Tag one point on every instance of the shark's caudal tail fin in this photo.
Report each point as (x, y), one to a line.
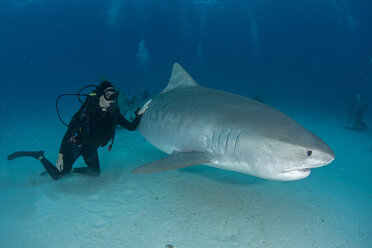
(174, 161)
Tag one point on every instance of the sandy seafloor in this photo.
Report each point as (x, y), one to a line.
(194, 207)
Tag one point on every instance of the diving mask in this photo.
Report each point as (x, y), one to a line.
(110, 94)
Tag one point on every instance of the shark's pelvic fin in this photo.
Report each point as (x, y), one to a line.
(174, 161)
(179, 79)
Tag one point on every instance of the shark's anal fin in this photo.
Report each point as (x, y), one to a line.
(174, 161)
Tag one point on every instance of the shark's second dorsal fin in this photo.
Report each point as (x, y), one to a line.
(179, 79)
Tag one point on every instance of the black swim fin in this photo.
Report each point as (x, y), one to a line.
(19, 154)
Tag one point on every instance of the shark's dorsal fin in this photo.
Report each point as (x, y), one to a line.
(179, 79)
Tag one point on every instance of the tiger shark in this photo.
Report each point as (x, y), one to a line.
(199, 125)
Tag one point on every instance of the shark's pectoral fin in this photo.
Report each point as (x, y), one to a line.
(174, 161)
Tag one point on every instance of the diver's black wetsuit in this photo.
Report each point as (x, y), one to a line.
(89, 129)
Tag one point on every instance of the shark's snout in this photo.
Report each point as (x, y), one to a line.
(327, 156)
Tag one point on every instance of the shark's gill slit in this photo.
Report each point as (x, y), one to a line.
(236, 140)
(212, 141)
(219, 140)
(227, 139)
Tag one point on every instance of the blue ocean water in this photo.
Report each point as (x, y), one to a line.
(308, 58)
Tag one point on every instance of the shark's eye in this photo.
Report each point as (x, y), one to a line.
(309, 152)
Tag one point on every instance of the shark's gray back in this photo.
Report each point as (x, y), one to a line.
(188, 117)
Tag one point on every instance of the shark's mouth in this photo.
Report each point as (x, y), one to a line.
(293, 171)
(294, 174)
(303, 170)
(306, 169)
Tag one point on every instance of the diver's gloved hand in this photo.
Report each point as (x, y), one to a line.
(59, 163)
(144, 107)
(136, 112)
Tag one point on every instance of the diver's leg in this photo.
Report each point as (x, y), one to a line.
(49, 167)
(92, 161)
(71, 154)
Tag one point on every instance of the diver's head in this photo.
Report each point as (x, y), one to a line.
(107, 94)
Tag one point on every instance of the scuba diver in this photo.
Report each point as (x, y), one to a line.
(91, 127)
